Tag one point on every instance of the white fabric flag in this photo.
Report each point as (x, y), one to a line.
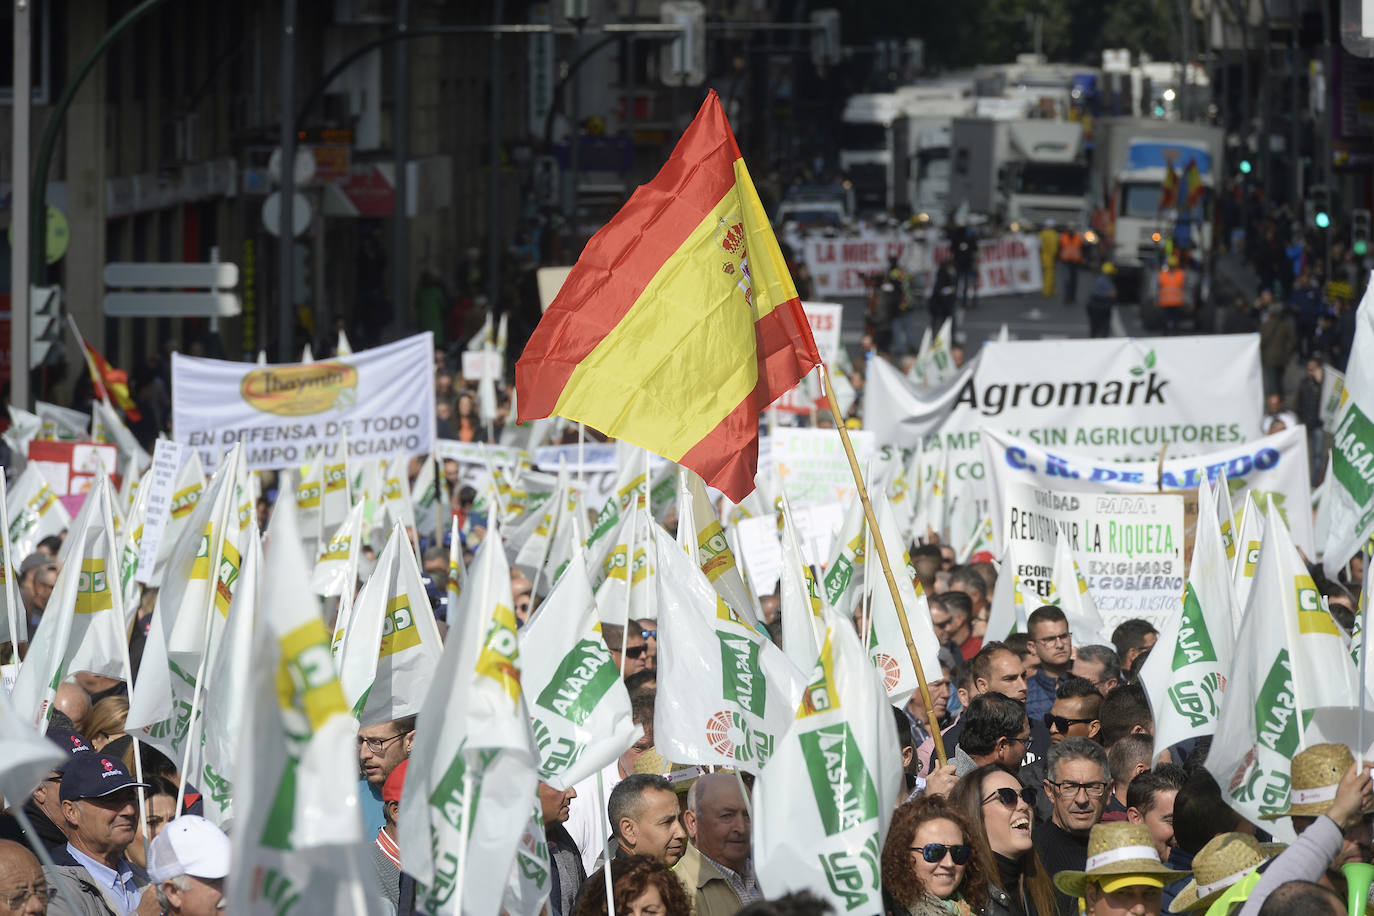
(473, 765)
(579, 707)
(186, 492)
(844, 576)
(1226, 516)
(1074, 599)
(35, 512)
(28, 757)
(624, 585)
(823, 803)
(391, 646)
(713, 553)
(1007, 614)
(899, 412)
(338, 499)
(340, 555)
(14, 619)
(424, 499)
(726, 692)
(310, 499)
(1186, 679)
(887, 644)
(396, 499)
(83, 625)
(1248, 546)
(921, 360)
(1290, 664)
(528, 886)
(1349, 501)
(803, 626)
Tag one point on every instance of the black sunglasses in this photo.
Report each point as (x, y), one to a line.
(935, 852)
(1008, 796)
(1062, 723)
(632, 652)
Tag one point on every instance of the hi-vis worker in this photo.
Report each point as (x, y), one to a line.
(1169, 294)
(1071, 256)
(1049, 253)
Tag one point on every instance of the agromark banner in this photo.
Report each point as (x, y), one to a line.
(381, 399)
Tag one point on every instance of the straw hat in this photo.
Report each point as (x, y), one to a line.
(1316, 774)
(681, 775)
(1118, 850)
(1225, 860)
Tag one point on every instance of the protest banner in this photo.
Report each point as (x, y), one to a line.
(812, 466)
(381, 399)
(1272, 466)
(1129, 548)
(844, 265)
(825, 319)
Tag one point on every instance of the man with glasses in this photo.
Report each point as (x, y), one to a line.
(23, 887)
(1073, 715)
(636, 647)
(1049, 632)
(381, 748)
(100, 814)
(1099, 665)
(648, 629)
(1077, 786)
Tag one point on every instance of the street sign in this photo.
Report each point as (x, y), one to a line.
(172, 290)
(171, 305)
(172, 276)
(300, 214)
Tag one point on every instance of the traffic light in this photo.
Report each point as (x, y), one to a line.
(45, 324)
(1359, 232)
(1245, 167)
(1318, 206)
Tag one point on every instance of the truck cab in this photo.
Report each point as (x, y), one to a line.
(1045, 176)
(873, 150)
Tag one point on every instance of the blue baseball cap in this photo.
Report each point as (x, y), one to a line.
(72, 742)
(95, 776)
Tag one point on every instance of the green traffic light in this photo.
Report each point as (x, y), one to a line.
(1245, 166)
(1361, 247)
(1323, 220)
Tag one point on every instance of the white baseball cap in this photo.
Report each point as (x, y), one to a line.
(188, 845)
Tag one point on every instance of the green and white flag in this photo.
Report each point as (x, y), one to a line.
(35, 512)
(579, 708)
(726, 692)
(569, 534)
(1290, 663)
(527, 888)
(83, 625)
(391, 646)
(1349, 501)
(339, 556)
(1226, 516)
(1248, 545)
(712, 548)
(14, 619)
(129, 539)
(934, 362)
(527, 553)
(824, 801)
(310, 501)
(473, 766)
(298, 841)
(624, 584)
(1186, 679)
(922, 359)
(803, 626)
(425, 494)
(887, 644)
(843, 580)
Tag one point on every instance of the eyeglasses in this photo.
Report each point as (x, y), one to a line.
(1070, 789)
(16, 900)
(1026, 740)
(632, 652)
(1062, 723)
(1008, 796)
(377, 745)
(1051, 640)
(935, 852)
(649, 634)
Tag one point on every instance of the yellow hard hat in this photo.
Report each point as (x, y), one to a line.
(1109, 268)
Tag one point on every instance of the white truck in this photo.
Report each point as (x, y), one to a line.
(873, 150)
(930, 118)
(1026, 170)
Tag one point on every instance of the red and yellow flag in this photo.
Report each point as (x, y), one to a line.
(1192, 180)
(679, 323)
(111, 384)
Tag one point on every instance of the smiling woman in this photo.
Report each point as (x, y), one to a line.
(928, 865)
(1000, 811)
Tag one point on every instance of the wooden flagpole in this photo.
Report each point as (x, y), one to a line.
(881, 548)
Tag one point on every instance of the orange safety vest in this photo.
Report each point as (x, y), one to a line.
(1171, 288)
(1070, 247)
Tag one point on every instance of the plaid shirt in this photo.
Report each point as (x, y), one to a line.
(745, 886)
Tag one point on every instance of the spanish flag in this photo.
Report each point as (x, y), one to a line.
(1168, 192)
(1192, 179)
(111, 384)
(679, 323)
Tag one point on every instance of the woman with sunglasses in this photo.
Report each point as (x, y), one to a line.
(1001, 812)
(928, 865)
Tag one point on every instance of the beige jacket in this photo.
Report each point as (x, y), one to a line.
(710, 893)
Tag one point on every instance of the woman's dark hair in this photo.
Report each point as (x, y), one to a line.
(899, 878)
(1036, 887)
(631, 876)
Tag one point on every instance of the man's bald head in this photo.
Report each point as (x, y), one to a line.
(74, 701)
(717, 820)
(710, 788)
(19, 871)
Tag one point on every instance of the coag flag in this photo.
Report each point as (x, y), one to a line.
(679, 323)
(1226, 516)
(700, 525)
(35, 512)
(391, 646)
(624, 584)
(338, 500)
(1290, 663)
(887, 644)
(579, 708)
(825, 799)
(726, 692)
(310, 500)
(186, 492)
(1349, 499)
(1248, 545)
(473, 766)
(1074, 599)
(1186, 679)
(339, 557)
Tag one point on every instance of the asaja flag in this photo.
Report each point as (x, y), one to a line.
(1290, 663)
(472, 770)
(391, 645)
(887, 644)
(726, 692)
(1349, 499)
(579, 707)
(824, 801)
(843, 578)
(1186, 679)
(679, 323)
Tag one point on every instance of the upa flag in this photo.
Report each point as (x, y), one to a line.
(679, 323)
(1349, 499)
(727, 693)
(887, 644)
(824, 801)
(579, 707)
(391, 645)
(1186, 685)
(473, 767)
(1290, 663)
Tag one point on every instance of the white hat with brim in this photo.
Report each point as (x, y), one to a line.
(1120, 854)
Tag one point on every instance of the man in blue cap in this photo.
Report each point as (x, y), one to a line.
(44, 806)
(100, 811)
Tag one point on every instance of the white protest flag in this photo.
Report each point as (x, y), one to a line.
(532, 553)
(501, 335)
(624, 585)
(663, 487)
(1007, 614)
(1226, 516)
(712, 549)
(485, 335)
(1349, 501)
(62, 422)
(903, 492)
(130, 540)
(338, 501)
(919, 363)
(579, 707)
(726, 692)
(887, 644)
(83, 625)
(528, 886)
(24, 428)
(569, 536)
(486, 388)
(1248, 543)
(310, 501)
(803, 626)
(473, 765)
(391, 646)
(1186, 679)
(119, 435)
(196, 625)
(823, 803)
(343, 347)
(631, 481)
(186, 492)
(1074, 599)
(844, 576)
(457, 573)
(298, 842)
(14, 619)
(307, 354)
(940, 367)
(339, 555)
(1290, 663)
(35, 512)
(28, 757)
(900, 412)
(425, 496)
(128, 486)
(396, 498)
